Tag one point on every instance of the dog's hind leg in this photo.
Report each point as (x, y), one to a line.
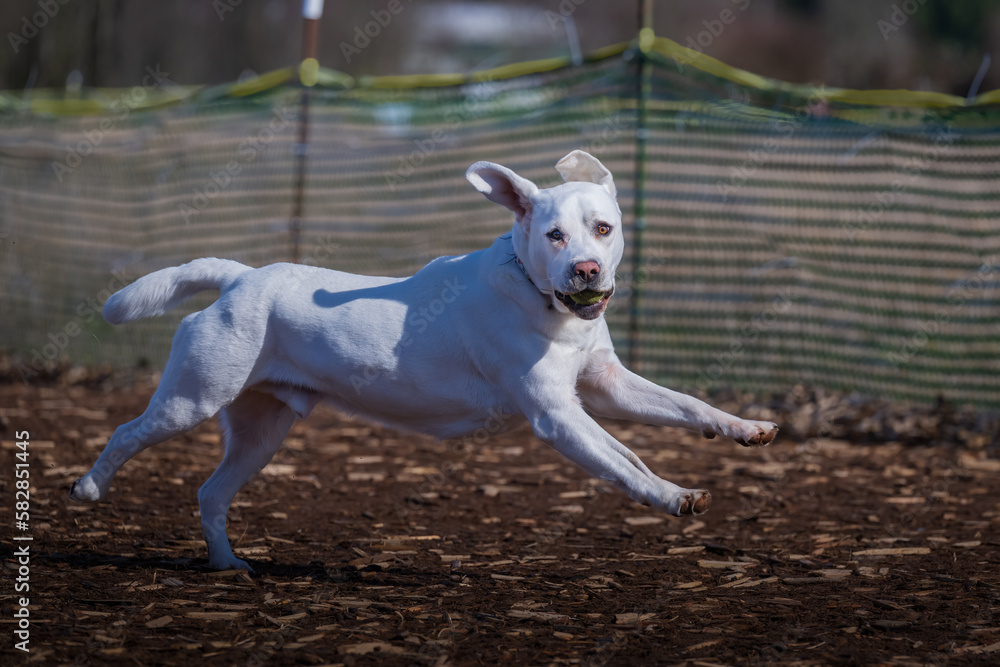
(197, 382)
(255, 424)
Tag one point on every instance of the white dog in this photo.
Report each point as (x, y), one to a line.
(511, 333)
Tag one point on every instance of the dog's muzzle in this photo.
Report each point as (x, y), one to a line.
(586, 304)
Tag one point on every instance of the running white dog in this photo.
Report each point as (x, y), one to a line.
(511, 333)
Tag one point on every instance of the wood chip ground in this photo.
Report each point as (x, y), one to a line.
(377, 548)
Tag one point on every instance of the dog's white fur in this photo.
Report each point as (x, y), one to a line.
(485, 338)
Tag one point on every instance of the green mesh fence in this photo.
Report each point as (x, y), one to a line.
(777, 234)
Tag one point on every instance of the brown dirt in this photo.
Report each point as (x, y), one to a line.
(374, 547)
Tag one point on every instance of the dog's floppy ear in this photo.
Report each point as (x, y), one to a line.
(502, 186)
(582, 166)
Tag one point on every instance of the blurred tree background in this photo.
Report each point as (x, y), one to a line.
(916, 44)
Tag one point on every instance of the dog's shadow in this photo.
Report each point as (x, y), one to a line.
(419, 312)
(313, 570)
(428, 304)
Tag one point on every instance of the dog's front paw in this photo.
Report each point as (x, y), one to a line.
(688, 502)
(754, 434)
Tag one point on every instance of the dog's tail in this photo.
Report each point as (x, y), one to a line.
(161, 290)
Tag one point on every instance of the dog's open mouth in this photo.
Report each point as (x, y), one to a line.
(586, 304)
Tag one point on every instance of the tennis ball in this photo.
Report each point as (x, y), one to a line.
(587, 297)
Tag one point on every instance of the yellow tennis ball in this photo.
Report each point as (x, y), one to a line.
(587, 297)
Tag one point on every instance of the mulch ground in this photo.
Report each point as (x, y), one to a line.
(378, 548)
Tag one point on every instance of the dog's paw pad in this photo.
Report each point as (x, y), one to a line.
(693, 502)
(702, 500)
(762, 434)
(708, 433)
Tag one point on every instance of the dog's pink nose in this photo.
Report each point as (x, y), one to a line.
(587, 270)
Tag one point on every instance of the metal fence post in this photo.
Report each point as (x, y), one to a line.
(312, 10)
(643, 86)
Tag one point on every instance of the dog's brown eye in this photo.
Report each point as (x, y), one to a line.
(556, 235)
(603, 229)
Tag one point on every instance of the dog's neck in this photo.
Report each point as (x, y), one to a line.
(520, 265)
(517, 239)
